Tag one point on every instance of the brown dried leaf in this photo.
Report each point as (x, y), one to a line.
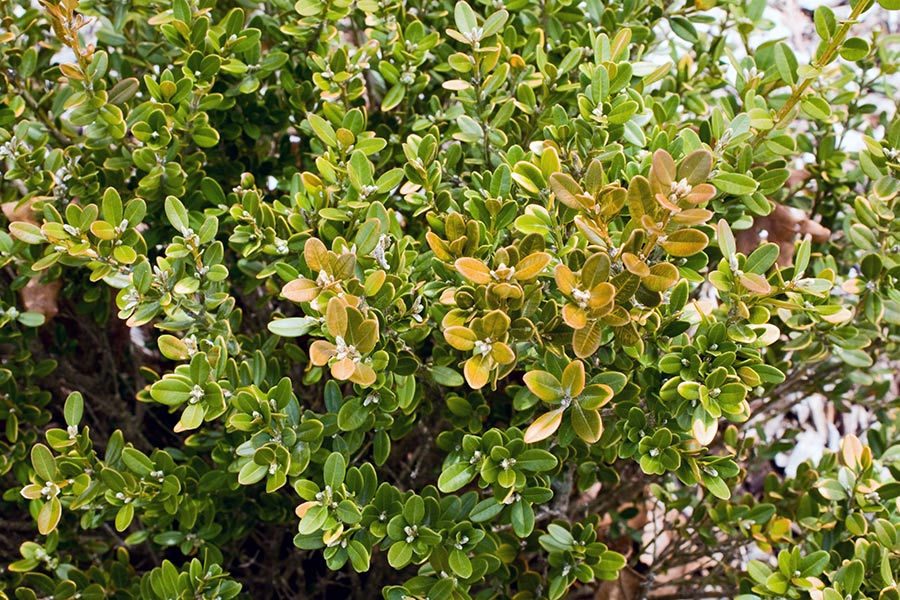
(41, 297)
(16, 212)
(780, 227)
(628, 586)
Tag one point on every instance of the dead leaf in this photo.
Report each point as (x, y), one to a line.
(628, 586)
(781, 227)
(19, 212)
(41, 297)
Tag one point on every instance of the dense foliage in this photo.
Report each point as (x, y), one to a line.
(433, 300)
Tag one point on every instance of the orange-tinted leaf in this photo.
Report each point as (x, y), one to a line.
(602, 294)
(566, 189)
(315, 254)
(565, 278)
(635, 265)
(685, 242)
(300, 290)
(701, 193)
(662, 171)
(336, 317)
(321, 351)
(343, 369)
(755, 283)
(574, 316)
(544, 426)
(302, 509)
(473, 269)
(662, 276)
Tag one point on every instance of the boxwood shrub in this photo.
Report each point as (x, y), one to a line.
(432, 300)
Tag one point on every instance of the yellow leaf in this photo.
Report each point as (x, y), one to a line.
(544, 426)
(586, 340)
(573, 378)
(566, 189)
(49, 516)
(565, 278)
(502, 353)
(477, 371)
(438, 246)
(595, 269)
(461, 338)
(364, 375)
(531, 266)
(544, 385)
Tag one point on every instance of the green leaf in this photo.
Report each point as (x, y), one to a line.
(762, 259)
(464, 17)
(172, 348)
(359, 556)
(124, 517)
(399, 554)
(49, 516)
(785, 63)
(74, 408)
(252, 473)
(27, 232)
(292, 326)
(43, 462)
(456, 476)
(334, 470)
(394, 97)
(323, 129)
(177, 214)
(815, 108)
(854, 49)
(725, 239)
(734, 183)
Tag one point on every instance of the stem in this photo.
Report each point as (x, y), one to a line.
(817, 64)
